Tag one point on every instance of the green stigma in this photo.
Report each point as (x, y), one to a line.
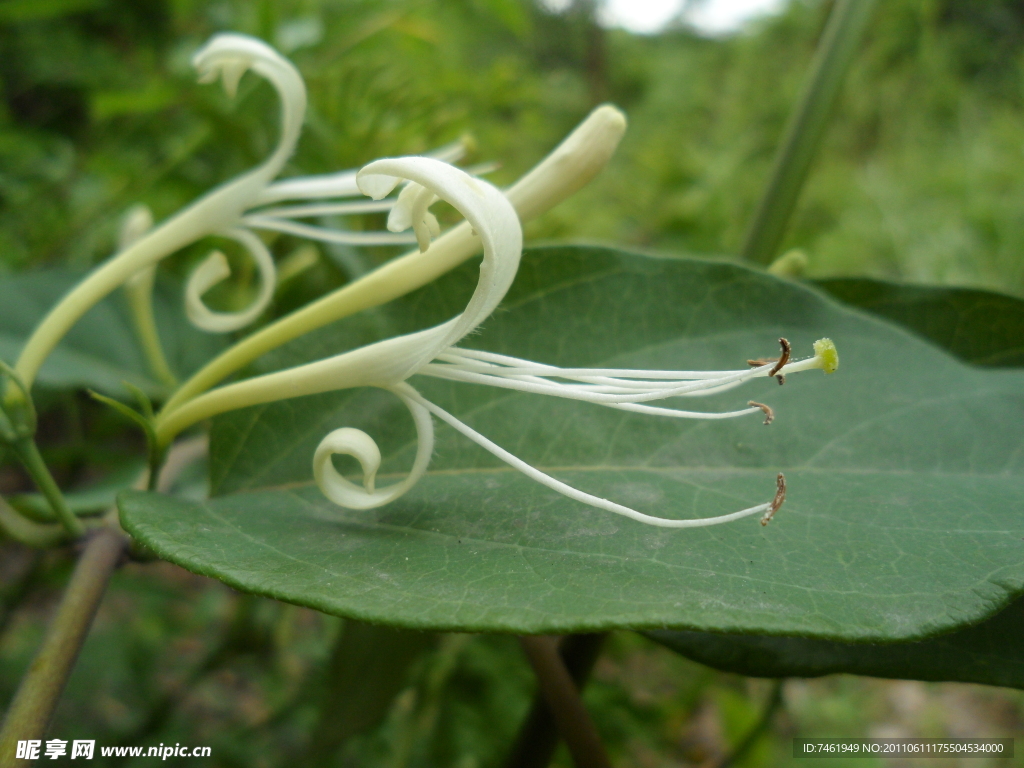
(826, 350)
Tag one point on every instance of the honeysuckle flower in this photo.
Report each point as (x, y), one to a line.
(390, 363)
(234, 211)
(255, 202)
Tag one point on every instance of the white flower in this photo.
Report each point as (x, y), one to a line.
(253, 201)
(390, 363)
(232, 211)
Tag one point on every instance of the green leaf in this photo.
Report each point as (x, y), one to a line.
(978, 326)
(988, 653)
(905, 473)
(101, 351)
(981, 327)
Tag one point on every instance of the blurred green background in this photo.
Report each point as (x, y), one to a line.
(920, 178)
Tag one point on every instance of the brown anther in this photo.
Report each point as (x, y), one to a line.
(769, 414)
(761, 361)
(780, 496)
(781, 378)
(786, 349)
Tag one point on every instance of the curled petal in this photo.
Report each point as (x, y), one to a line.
(356, 443)
(228, 57)
(401, 216)
(488, 212)
(213, 270)
(348, 442)
(411, 211)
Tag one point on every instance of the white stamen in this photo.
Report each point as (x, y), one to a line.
(325, 209)
(327, 235)
(567, 490)
(542, 386)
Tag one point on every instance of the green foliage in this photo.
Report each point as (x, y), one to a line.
(919, 177)
(90, 501)
(988, 653)
(922, 450)
(980, 327)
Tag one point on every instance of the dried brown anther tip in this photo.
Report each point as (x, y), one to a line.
(779, 361)
(780, 496)
(769, 414)
(786, 349)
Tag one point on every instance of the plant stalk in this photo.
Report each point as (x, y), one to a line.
(563, 699)
(34, 703)
(807, 123)
(538, 736)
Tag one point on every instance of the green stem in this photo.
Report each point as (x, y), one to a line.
(740, 751)
(33, 462)
(846, 25)
(36, 699)
(139, 290)
(538, 736)
(563, 699)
